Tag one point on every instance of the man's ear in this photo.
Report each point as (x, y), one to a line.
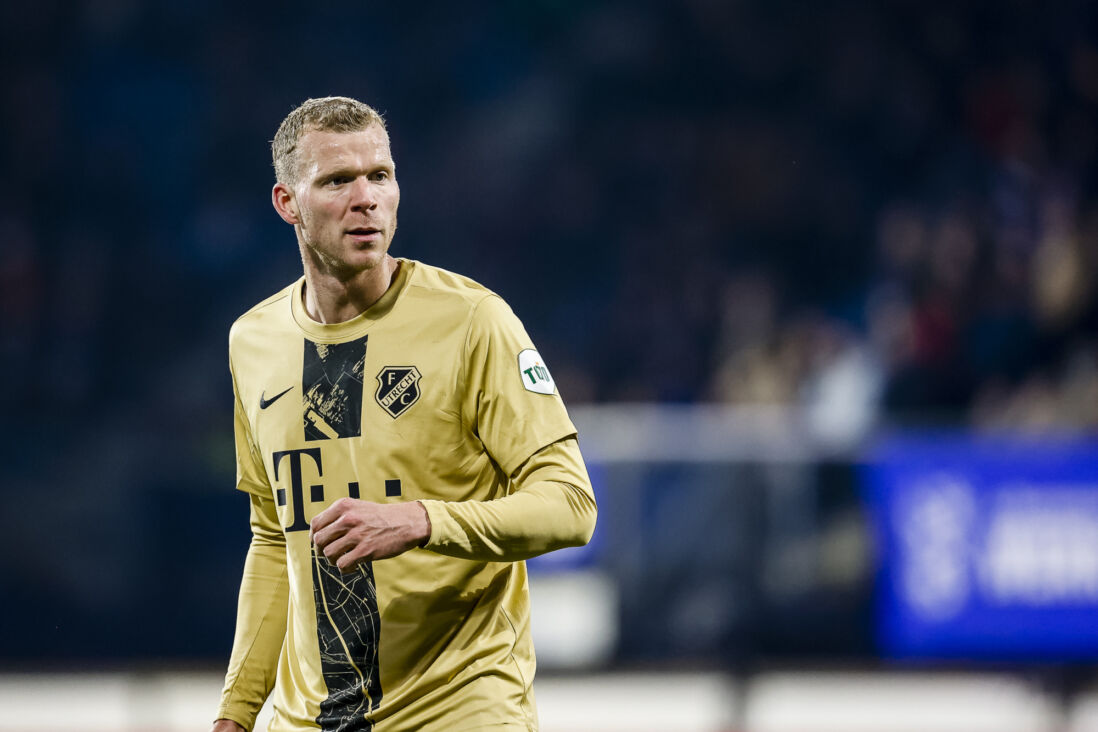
(282, 196)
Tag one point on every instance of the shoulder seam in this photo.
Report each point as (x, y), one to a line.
(278, 297)
(463, 377)
(474, 298)
(467, 289)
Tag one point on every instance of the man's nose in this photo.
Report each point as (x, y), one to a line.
(362, 194)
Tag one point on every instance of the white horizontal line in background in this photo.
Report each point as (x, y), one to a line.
(694, 433)
(186, 702)
(900, 702)
(637, 702)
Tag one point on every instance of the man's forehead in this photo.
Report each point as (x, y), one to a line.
(327, 147)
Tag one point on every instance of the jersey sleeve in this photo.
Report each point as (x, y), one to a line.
(261, 619)
(552, 507)
(512, 405)
(264, 587)
(251, 476)
(510, 400)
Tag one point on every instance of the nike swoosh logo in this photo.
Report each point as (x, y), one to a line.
(264, 403)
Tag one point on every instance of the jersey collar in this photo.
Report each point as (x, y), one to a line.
(356, 326)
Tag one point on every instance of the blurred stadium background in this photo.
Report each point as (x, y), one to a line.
(818, 280)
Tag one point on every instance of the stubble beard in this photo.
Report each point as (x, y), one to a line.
(314, 256)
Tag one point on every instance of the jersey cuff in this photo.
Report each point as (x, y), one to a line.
(234, 713)
(444, 528)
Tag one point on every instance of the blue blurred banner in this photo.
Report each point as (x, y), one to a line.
(987, 546)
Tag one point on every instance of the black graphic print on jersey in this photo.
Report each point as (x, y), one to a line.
(347, 628)
(331, 381)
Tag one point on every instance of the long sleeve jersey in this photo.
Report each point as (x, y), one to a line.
(434, 394)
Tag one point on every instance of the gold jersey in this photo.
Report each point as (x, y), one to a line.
(436, 394)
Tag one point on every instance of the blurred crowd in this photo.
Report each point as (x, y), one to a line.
(872, 212)
(867, 209)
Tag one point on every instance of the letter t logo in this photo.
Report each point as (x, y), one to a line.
(297, 496)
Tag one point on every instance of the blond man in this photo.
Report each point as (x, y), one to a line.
(404, 448)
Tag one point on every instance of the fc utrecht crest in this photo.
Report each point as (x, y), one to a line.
(397, 388)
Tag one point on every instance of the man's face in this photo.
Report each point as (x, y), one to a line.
(346, 198)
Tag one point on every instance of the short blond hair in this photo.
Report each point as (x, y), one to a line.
(327, 114)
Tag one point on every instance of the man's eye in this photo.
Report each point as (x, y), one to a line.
(381, 175)
(338, 180)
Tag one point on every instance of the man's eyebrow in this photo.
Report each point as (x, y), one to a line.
(336, 172)
(345, 169)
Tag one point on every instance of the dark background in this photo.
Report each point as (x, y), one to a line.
(801, 205)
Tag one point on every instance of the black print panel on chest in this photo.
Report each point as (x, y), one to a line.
(331, 380)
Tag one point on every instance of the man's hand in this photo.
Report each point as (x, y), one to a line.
(351, 531)
(227, 725)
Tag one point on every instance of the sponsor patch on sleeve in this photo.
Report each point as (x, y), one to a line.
(534, 373)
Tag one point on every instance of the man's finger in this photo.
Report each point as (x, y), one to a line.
(328, 515)
(331, 532)
(337, 548)
(351, 559)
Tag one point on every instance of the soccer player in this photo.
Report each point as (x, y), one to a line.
(404, 448)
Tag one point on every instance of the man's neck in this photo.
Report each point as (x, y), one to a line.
(330, 299)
